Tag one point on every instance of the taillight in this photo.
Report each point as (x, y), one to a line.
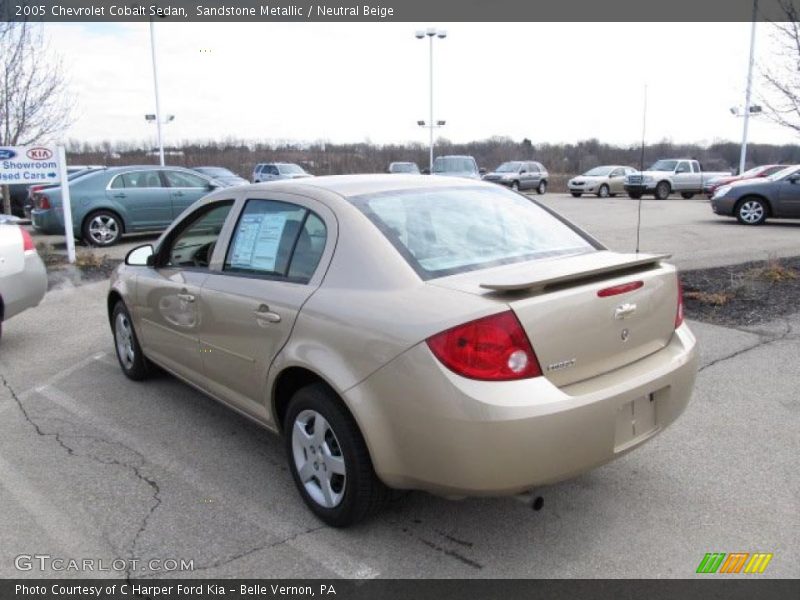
(27, 241)
(679, 311)
(42, 201)
(493, 348)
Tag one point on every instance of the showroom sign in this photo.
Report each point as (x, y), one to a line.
(26, 165)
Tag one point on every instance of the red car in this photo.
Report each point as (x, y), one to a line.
(762, 171)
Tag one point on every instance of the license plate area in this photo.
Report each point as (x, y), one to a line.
(636, 420)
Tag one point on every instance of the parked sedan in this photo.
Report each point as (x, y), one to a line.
(23, 279)
(409, 332)
(403, 167)
(753, 201)
(222, 175)
(762, 171)
(277, 171)
(602, 181)
(118, 200)
(520, 175)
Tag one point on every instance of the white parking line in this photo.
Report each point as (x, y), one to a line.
(62, 374)
(48, 517)
(322, 553)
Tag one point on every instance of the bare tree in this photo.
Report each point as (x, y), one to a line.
(33, 103)
(783, 76)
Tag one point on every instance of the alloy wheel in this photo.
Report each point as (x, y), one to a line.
(103, 230)
(752, 212)
(124, 339)
(318, 459)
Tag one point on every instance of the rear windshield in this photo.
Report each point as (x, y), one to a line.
(444, 231)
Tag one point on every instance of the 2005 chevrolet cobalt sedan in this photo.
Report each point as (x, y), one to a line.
(408, 332)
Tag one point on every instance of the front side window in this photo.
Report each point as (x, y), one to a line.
(179, 179)
(194, 244)
(277, 240)
(453, 230)
(683, 168)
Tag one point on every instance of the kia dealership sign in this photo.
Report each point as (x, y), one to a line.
(28, 165)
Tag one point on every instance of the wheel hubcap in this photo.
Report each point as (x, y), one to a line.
(751, 212)
(103, 229)
(318, 459)
(124, 337)
(604, 192)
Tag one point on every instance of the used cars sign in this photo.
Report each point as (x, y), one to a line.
(28, 165)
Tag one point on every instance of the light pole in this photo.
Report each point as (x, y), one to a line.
(155, 85)
(153, 118)
(430, 33)
(747, 111)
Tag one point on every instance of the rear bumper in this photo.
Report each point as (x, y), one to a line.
(24, 289)
(454, 436)
(49, 221)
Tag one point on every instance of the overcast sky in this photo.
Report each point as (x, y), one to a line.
(550, 82)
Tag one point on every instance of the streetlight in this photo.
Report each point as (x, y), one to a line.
(157, 116)
(747, 107)
(153, 118)
(431, 33)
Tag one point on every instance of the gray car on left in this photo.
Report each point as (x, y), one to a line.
(110, 202)
(23, 279)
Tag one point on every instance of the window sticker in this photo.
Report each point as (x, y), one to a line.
(257, 241)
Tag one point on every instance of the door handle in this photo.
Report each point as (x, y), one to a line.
(178, 193)
(120, 195)
(263, 313)
(186, 297)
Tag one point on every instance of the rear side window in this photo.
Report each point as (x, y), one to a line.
(277, 240)
(137, 179)
(444, 231)
(179, 179)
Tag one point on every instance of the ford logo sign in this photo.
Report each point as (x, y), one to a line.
(7, 153)
(39, 154)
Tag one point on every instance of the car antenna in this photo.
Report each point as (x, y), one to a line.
(641, 170)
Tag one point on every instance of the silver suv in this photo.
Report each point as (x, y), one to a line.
(520, 175)
(278, 170)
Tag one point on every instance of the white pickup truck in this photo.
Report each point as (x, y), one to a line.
(670, 175)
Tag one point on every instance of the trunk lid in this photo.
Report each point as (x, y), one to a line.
(576, 333)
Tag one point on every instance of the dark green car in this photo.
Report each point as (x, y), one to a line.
(117, 200)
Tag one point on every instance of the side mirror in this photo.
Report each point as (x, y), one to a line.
(794, 178)
(426, 171)
(141, 256)
(482, 171)
(523, 171)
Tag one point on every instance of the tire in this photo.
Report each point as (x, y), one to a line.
(576, 194)
(663, 190)
(687, 195)
(603, 192)
(102, 228)
(635, 195)
(751, 211)
(129, 353)
(515, 186)
(338, 499)
(541, 189)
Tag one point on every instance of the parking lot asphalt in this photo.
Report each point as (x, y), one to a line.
(93, 465)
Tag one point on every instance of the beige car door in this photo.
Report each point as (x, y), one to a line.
(250, 301)
(616, 181)
(168, 309)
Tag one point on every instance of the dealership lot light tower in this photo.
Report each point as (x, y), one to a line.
(158, 101)
(431, 33)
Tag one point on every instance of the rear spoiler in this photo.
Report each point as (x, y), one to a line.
(570, 269)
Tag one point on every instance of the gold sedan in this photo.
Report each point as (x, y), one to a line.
(409, 332)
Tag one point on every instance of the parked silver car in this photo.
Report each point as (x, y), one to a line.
(605, 181)
(278, 170)
(752, 201)
(520, 175)
(23, 278)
